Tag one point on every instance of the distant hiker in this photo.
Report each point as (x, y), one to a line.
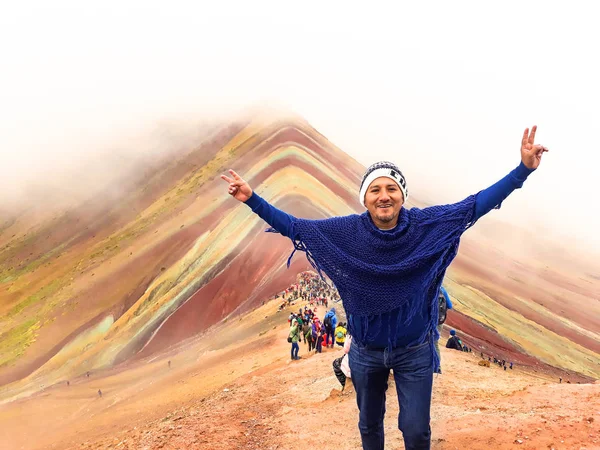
(511, 364)
(300, 325)
(482, 355)
(320, 338)
(88, 374)
(99, 393)
(341, 368)
(340, 334)
(453, 341)
(308, 336)
(444, 304)
(293, 337)
(169, 364)
(330, 323)
(560, 380)
(388, 265)
(68, 384)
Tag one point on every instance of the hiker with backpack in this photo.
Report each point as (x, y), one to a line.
(300, 326)
(293, 337)
(388, 264)
(341, 368)
(340, 334)
(330, 323)
(308, 336)
(444, 304)
(455, 343)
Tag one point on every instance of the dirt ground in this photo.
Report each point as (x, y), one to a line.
(236, 388)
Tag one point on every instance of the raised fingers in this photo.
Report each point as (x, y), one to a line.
(532, 135)
(525, 137)
(234, 174)
(226, 178)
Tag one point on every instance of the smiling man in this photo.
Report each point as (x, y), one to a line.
(388, 264)
(383, 192)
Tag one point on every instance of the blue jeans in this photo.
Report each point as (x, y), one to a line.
(413, 374)
(295, 348)
(329, 331)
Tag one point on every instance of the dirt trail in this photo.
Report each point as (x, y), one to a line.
(235, 388)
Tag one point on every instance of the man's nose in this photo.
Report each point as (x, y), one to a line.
(384, 196)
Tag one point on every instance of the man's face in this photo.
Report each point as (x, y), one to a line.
(384, 200)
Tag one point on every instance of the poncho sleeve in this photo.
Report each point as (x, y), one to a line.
(279, 220)
(285, 224)
(492, 197)
(461, 214)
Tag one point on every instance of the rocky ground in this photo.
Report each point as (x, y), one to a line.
(235, 388)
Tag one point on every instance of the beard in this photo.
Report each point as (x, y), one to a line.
(386, 218)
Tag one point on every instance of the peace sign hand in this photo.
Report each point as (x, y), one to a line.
(531, 154)
(238, 188)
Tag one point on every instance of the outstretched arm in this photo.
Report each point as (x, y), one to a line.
(531, 157)
(241, 191)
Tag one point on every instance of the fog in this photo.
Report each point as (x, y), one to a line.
(89, 91)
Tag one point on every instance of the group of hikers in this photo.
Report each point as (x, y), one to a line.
(305, 325)
(311, 288)
(388, 264)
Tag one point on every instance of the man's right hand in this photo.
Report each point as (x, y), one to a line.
(238, 188)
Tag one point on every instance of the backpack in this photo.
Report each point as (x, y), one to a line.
(327, 321)
(292, 333)
(340, 334)
(443, 309)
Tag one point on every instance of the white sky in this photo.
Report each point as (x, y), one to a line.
(444, 89)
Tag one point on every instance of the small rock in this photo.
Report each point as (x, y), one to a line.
(225, 390)
(518, 441)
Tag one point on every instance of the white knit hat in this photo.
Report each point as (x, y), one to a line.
(382, 169)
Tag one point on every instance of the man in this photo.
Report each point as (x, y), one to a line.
(340, 334)
(444, 305)
(294, 337)
(388, 264)
(454, 342)
(330, 322)
(341, 369)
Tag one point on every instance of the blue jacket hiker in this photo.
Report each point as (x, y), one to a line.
(388, 264)
(330, 323)
(445, 304)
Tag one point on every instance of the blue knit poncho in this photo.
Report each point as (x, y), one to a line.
(378, 271)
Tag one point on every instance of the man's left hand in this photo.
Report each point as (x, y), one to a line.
(531, 154)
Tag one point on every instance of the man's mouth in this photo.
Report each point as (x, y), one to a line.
(386, 206)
